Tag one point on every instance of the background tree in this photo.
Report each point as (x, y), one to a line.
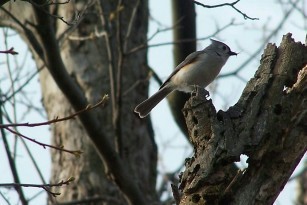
(80, 63)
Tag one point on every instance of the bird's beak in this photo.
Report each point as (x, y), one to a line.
(231, 53)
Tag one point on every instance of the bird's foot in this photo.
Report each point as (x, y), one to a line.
(198, 90)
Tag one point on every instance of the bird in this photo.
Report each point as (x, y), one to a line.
(198, 69)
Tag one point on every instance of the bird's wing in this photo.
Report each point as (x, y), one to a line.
(188, 60)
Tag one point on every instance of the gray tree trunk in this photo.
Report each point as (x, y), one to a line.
(82, 63)
(268, 124)
(184, 34)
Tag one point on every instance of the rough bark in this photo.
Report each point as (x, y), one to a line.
(268, 124)
(81, 64)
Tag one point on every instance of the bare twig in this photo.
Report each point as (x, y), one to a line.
(10, 51)
(156, 77)
(22, 86)
(159, 30)
(43, 186)
(102, 102)
(253, 56)
(48, 3)
(227, 4)
(110, 57)
(74, 152)
(37, 194)
(129, 29)
(132, 87)
(145, 45)
(118, 85)
(5, 199)
(81, 13)
(11, 162)
(28, 33)
(77, 153)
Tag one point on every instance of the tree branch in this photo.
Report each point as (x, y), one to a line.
(185, 40)
(268, 124)
(43, 186)
(102, 103)
(227, 4)
(266, 40)
(10, 51)
(11, 161)
(77, 153)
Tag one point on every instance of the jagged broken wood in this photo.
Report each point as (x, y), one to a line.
(268, 124)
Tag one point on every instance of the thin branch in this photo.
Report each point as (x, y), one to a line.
(110, 58)
(65, 34)
(77, 153)
(23, 85)
(5, 199)
(102, 103)
(10, 51)
(255, 54)
(28, 33)
(31, 157)
(158, 31)
(12, 88)
(48, 3)
(71, 23)
(152, 73)
(132, 87)
(165, 29)
(156, 77)
(36, 195)
(145, 45)
(34, 162)
(118, 85)
(227, 4)
(43, 186)
(11, 162)
(129, 29)
(11, 157)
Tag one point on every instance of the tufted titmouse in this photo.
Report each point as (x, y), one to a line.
(198, 69)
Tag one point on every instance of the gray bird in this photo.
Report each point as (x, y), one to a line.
(198, 69)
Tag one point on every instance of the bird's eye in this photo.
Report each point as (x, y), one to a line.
(224, 48)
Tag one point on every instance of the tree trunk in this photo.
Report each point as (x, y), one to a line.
(268, 124)
(82, 63)
(184, 34)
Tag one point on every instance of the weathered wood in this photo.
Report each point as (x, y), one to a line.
(268, 124)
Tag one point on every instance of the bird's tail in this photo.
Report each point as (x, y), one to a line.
(144, 108)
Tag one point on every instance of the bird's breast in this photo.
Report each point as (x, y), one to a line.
(200, 73)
